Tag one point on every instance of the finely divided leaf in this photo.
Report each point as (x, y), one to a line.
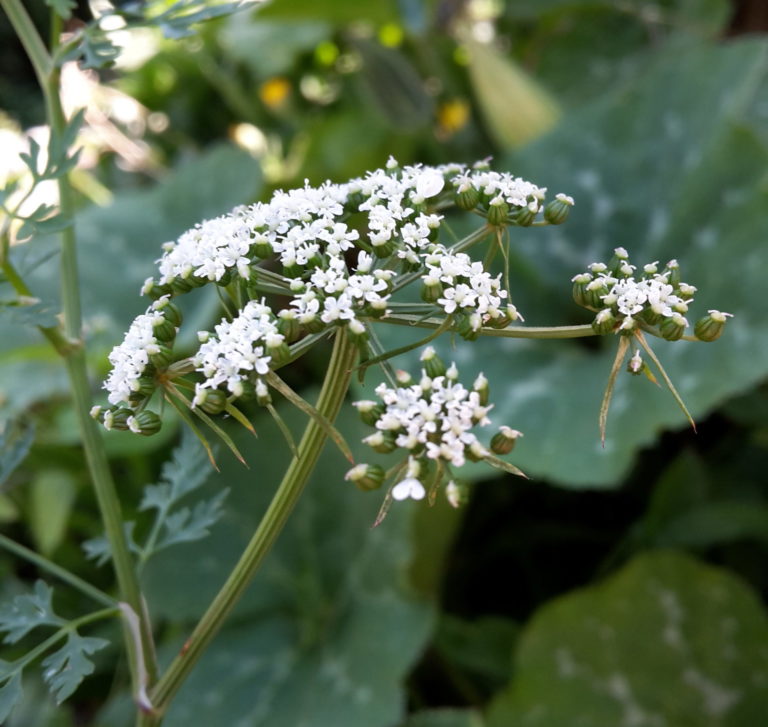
(27, 612)
(15, 442)
(187, 525)
(98, 548)
(66, 668)
(10, 691)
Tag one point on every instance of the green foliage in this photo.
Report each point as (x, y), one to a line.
(445, 718)
(10, 689)
(27, 612)
(29, 313)
(16, 438)
(52, 498)
(698, 197)
(667, 639)
(66, 668)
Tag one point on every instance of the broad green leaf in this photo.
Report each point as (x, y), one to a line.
(27, 612)
(393, 87)
(271, 48)
(666, 169)
(329, 628)
(445, 718)
(516, 108)
(10, 691)
(52, 495)
(667, 640)
(66, 668)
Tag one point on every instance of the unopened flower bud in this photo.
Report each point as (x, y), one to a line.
(211, 401)
(160, 355)
(672, 272)
(467, 197)
(403, 379)
(381, 442)
(432, 289)
(503, 442)
(117, 418)
(686, 292)
(711, 326)
(288, 324)
(261, 391)
(452, 374)
(635, 365)
(145, 423)
(527, 215)
(620, 256)
(366, 476)
(277, 348)
(475, 452)
(557, 211)
(673, 328)
(457, 493)
(580, 295)
(604, 323)
(433, 364)
(482, 389)
(369, 411)
(498, 210)
(163, 329)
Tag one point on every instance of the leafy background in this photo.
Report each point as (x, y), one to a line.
(579, 596)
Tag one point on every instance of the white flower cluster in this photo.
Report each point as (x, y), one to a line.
(466, 287)
(500, 187)
(130, 359)
(432, 419)
(622, 299)
(332, 273)
(239, 348)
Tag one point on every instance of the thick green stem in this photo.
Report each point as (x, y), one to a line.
(49, 77)
(328, 404)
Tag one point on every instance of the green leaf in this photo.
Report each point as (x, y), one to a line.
(27, 612)
(10, 690)
(516, 108)
(98, 548)
(16, 438)
(66, 668)
(33, 313)
(335, 11)
(63, 8)
(667, 640)
(52, 497)
(667, 168)
(187, 525)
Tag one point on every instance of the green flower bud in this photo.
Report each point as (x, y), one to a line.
(594, 293)
(475, 452)
(686, 292)
(604, 323)
(277, 349)
(117, 418)
(160, 355)
(452, 374)
(527, 215)
(467, 197)
(312, 323)
(381, 442)
(145, 423)
(432, 289)
(465, 326)
(261, 246)
(288, 324)
(580, 294)
(292, 270)
(163, 330)
(369, 411)
(672, 272)
(620, 257)
(366, 476)
(383, 248)
(211, 401)
(636, 364)
(557, 211)
(503, 442)
(498, 211)
(144, 386)
(433, 364)
(673, 328)
(243, 389)
(153, 289)
(711, 326)
(376, 308)
(358, 333)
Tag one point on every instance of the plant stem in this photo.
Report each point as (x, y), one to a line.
(49, 77)
(56, 570)
(513, 332)
(328, 404)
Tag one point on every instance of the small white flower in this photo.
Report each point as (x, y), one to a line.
(409, 487)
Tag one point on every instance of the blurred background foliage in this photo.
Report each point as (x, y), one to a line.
(619, 586)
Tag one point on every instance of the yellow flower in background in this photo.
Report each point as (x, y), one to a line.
(452, 116)
(274, 92)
